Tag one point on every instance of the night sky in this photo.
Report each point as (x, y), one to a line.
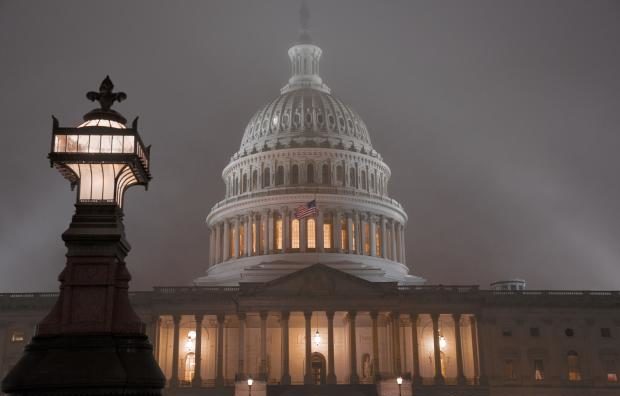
(499, 119)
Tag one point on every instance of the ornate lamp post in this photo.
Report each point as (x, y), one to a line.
(250, 382)
(399, 381)
(92, 342)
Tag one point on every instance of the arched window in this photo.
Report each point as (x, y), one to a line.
(352, 181)
(295, 234)
(266, 177)
(278, 233)
(327, 233)
(310, 173)
(244, 187)
(363, 180)
(311, 228)
(574, 372)
(325, 179)
(340, 175)
(295, 174)
(254, 179)
(280, 176)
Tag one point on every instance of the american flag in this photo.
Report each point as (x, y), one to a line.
(306, 210)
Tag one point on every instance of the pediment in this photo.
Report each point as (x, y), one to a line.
(319, 280)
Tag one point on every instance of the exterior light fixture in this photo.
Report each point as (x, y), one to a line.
(317, 338)
(399, 381)
(102, 157)
(250, 382)
(442, 342)
(190, 343)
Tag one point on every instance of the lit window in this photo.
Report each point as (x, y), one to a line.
(378, 240)
(574, 372)
(253, 238)
(343, 234)
(539, 371)
(353, 242)
(241, 239)
(231, 239)
(278, 234)
(263, 236)
(327, 235)
(366, 239)
(612, 372)
(295, 234)
(311, 224)
(18, 336)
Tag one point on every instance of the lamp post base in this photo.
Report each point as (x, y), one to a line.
(71, 365)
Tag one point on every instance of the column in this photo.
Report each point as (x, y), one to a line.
(226, 236)
(211, 246)
(174, 379)
(286, 229)
(241, 360)
(197, 380)
(481, 361)
(218, 243)
(396, 342)
(403, 246)
(373, 236)
(152, 333)
(319, 232)
(336, 230)
(303, 234)
(359, 232)
(415, 349)
(363, 238)
(375, 345)
(459, 349)
(270, 235)
(219, 378)
(248, 234)
(262, 369)
(354, 378)
(308, 377)
(236, 234)
(331, 368)
(265, 226)
(393, 241)
(286, 375)
(349, 232)
(438, 375)
(397, 243)
(383, 237)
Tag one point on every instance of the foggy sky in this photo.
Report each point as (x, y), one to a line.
(499, 120)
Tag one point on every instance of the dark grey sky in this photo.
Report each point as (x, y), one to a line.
(499, 120)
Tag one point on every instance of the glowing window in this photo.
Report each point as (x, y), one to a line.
(295, 234)
(378, 240)
(353, 241)
(574, 372)
(18, 336)
(327, 235)
(539, 371)
(263, 236)
(311, 227)
(612, 372)
(278, 234)
(253, 238)
(241, 239)
(366, 238)
(344, 239)
(231, 238)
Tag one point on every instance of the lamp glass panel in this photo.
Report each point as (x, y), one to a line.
(106, 144)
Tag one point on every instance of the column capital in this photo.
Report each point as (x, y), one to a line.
(176, 319)
(263, 315)
(457, 317)
(221, 317)
(434, 316)
(199, 317)
(308, 315)
(241, 315)
(414, 316)
(330, 315)
(351, 315)
(285, 315)
(395, 315)
(374, 315)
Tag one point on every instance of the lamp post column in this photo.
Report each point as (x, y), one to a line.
(197, 380)
(460, 376)
(308, 377)
(219, 379)
(438, 374)
(286, 376)
(375, 346)
(415, 346)
(331, 369)
(354, 378)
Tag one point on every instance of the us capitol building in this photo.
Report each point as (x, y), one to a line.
(326, 303)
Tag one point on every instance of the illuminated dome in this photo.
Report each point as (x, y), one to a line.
(305, 117)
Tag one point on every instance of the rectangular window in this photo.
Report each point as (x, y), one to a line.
(367, 239)
(295, 234)
(344, 240)
(327, 236)
(311, 228)
(278, 234)
(18, 336)
(612, 372)
(509, 369)
(263, 235)
(539, 370)
(534, 332)
(606, 332)
(353, 248)
(378, 240)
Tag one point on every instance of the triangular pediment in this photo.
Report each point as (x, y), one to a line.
(319, 280)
